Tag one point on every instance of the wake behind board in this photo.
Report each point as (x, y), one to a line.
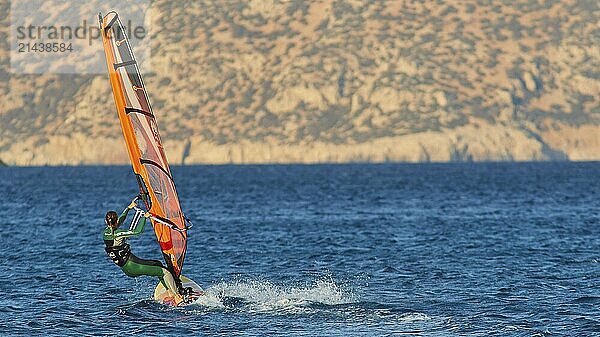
(164, 296)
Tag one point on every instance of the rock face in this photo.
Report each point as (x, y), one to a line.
(333, 81)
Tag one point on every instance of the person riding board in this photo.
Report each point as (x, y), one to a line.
(120, 253)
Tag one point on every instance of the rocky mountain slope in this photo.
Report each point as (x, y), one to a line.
(333, 81)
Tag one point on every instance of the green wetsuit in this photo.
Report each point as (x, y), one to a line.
(120, 253)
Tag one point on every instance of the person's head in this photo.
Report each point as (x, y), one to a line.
(112, 219)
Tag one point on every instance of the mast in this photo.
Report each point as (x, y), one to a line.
(143, 143)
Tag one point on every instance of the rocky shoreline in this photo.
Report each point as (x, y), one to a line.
(471, 143)
(332, 81)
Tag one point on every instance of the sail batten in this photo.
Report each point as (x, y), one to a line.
(124, 64)
(129, 110)
(143, 143)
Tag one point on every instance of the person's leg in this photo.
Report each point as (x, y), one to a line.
(138, 267)
(177, 279)
(169, 282)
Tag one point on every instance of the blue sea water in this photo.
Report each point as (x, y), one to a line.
(325, 250)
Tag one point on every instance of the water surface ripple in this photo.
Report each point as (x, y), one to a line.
(324, 250)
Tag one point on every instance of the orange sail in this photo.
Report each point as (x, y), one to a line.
(143, 143)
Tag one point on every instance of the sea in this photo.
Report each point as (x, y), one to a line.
(458, 249)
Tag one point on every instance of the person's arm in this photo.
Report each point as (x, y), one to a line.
(123, 215)
(136, 230)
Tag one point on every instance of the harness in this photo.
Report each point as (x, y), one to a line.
(118, 254)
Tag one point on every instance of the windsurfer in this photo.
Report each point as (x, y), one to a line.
(120, 253)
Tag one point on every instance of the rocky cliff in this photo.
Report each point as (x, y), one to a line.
(333, 81)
